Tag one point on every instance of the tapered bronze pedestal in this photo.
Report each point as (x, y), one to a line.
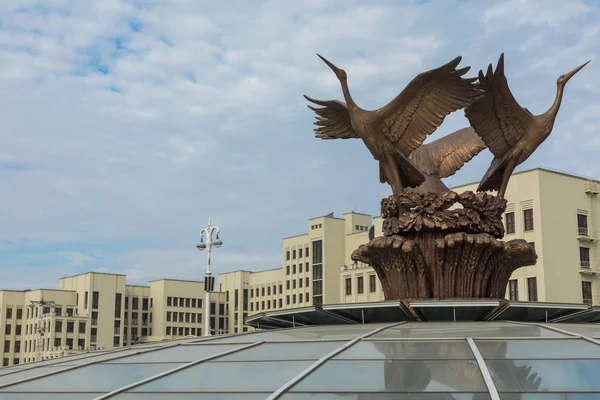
(432, 251)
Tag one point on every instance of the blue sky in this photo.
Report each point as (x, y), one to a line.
(124, 125)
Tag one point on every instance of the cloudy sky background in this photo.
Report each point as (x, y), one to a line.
(124, 125)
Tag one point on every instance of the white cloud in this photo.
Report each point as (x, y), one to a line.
(126, 124)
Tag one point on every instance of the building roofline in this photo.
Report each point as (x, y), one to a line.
(251, 272)
(143, 286)
(92, 272)
(354, 212)
(173, 280)
(293, 236)
(545, 169)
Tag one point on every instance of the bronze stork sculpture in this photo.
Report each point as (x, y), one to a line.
(443, 157)
(511, 132)
(437, 243)
(394, 131)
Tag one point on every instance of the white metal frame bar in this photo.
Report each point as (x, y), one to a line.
(172, 371)
(30, 378)
(566, 332)
(289, 384)
(487, 377)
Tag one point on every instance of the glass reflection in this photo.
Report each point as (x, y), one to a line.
(422, 375)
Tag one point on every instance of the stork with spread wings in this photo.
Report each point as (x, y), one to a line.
(398, 129)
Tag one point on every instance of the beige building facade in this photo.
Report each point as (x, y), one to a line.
(95, 311)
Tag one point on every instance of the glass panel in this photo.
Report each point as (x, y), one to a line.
(589, 330)
(382, 350)
(17, 376)
(217, 377)
(345, 332)
(51, 396)
(177, 354)
(549, 396)
(465, 329)
(545, 375)
(394, 376)
(284, 351)
(94, 378)
(532, 349)
(206, 396)
(386, 396)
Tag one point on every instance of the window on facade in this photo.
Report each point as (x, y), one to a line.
(18, 329)
(118, 305)
(360, 285)
(586, 291)
(7, 346)
(236, 299)
(70, 326)
(300, 253)
(58, 327)
(169, 301)
(306, 251)
(145, 303)
(300, 268)
(318, 272)
(95, 299)
(317, 257)
(287, 299)
(317, 288)
(510, 222)
(280, 303)
(513, 289)
(348, 286)
(82, 327)
(300, 282)
(287, 285)
(287, 269)
(372, 284)
(294, 284)
(582, 225)
(584, 257)
(528, 219)
(194, 302)
(20, 313)
(57, 342)
(280, 288)
(294, 269)
(532, 289)
(85, 300)
(287, 255)
(135, 303)
(294, 254)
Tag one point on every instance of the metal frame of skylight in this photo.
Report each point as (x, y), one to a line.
(73, 367)
(289, 384)
(172, 371)
(487, 377)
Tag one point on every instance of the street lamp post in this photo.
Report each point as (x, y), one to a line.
(41, 330)
(209, 282)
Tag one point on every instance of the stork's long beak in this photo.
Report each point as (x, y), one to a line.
(333, 67)
(576, 70)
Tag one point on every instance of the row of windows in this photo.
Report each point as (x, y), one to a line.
(267, 290)
(360, 285)
(317, 226)
(513, 289)
(184, 302)
(298, 253)
(527, 221)
(184, 317)
(361, 228)
(293, 270)
(289, 299)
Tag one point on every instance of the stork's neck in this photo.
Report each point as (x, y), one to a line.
(349, 102)
(553, 110)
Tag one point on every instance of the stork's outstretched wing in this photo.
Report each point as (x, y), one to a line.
(447, 155)
(496, 116)
(422, 106)
(333, 120)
